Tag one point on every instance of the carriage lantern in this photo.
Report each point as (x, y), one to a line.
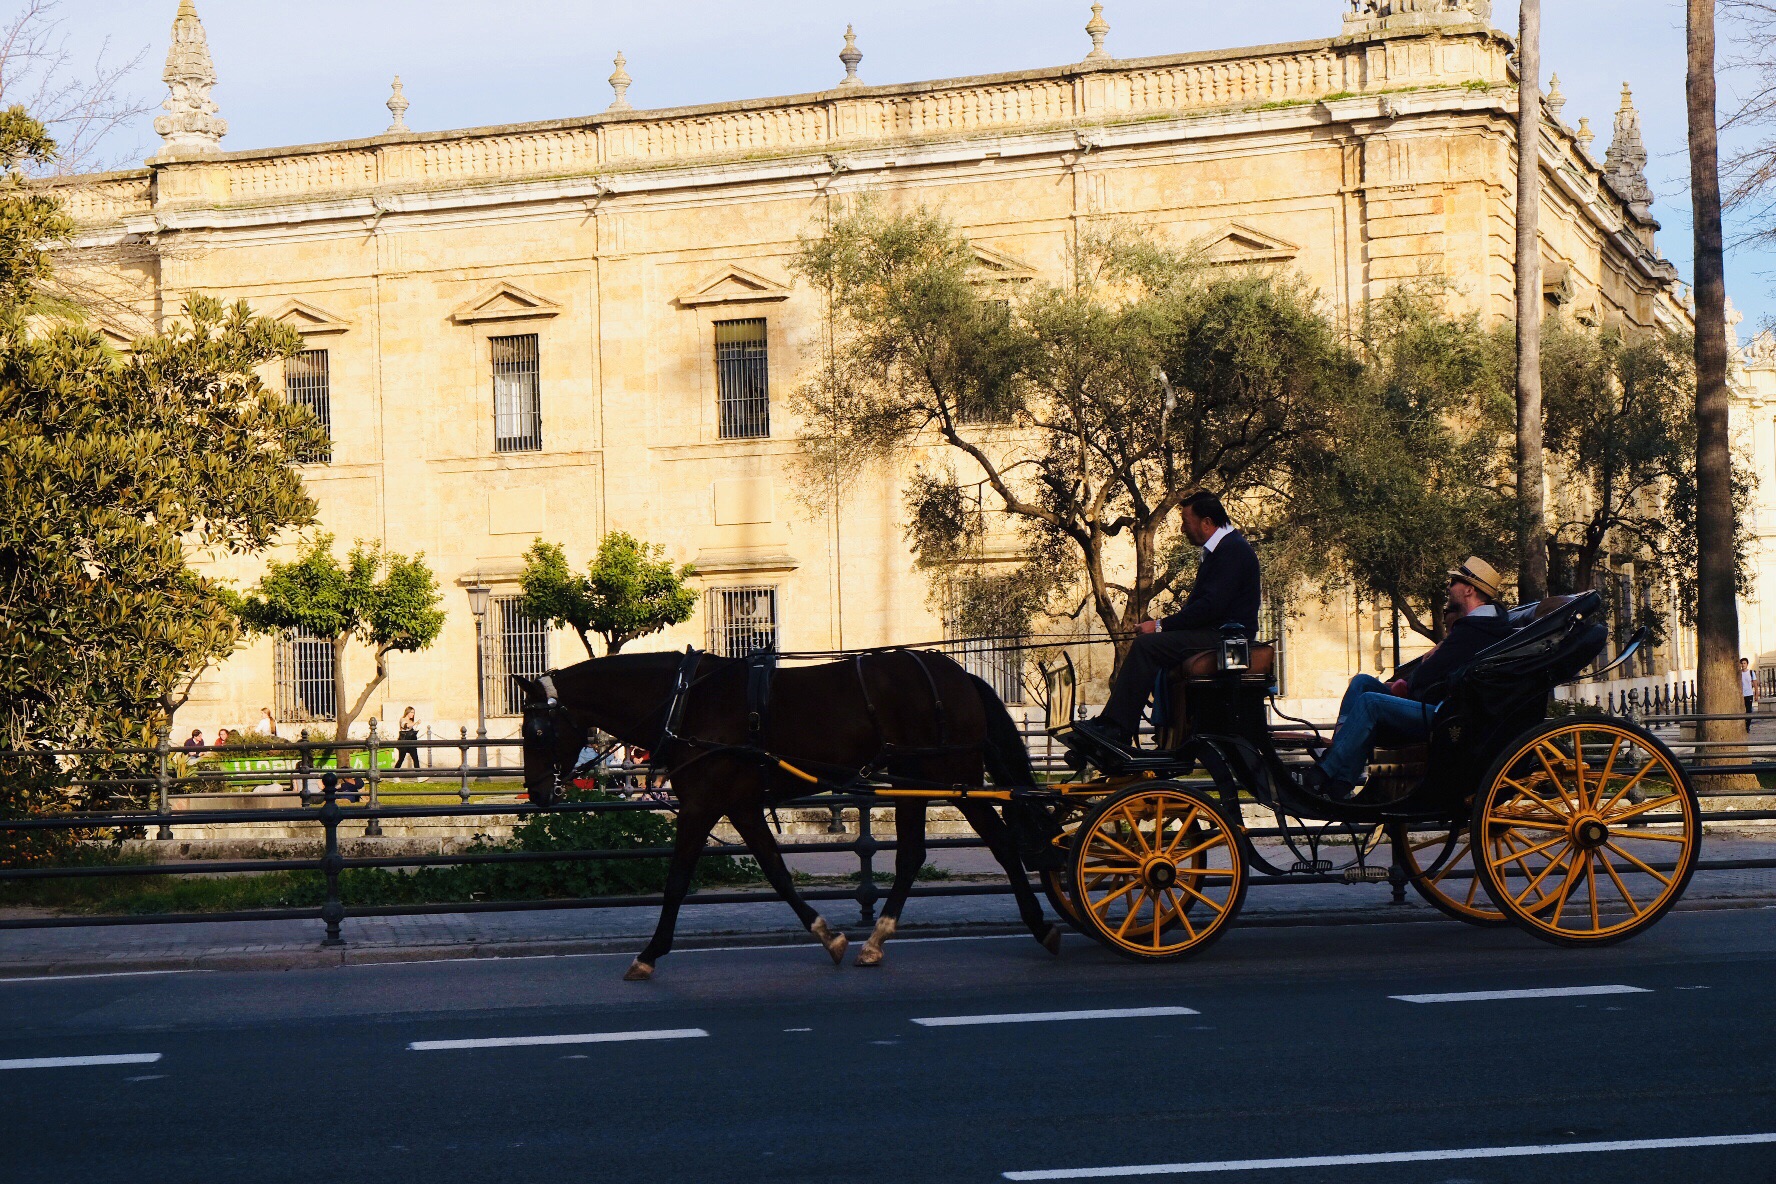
(1236, 648)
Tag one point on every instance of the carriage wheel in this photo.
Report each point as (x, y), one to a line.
(1157, 872)
(1440, 864)
(1054, 886)
(1586, 833)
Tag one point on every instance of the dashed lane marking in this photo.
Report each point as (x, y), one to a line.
(66, 978)
(572, 1038)
(1044, 1017)
(1533, 993)
(127, 1058)
(1333, 1161)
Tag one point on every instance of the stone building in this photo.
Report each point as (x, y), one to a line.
(554, 329)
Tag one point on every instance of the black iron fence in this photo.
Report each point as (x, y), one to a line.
(291, 784)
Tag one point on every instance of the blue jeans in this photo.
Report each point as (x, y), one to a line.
(1367, 715)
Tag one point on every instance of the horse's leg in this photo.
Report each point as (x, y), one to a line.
(695, 820)
(750, 822)
(997, 836)
(909, 857)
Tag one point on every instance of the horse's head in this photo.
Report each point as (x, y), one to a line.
(552, 741)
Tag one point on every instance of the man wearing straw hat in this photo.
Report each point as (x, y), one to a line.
(1401, 712)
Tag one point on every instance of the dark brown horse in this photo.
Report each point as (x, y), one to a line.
(906, 716)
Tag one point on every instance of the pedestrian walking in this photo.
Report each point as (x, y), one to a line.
(1748, 689)
(407, 740)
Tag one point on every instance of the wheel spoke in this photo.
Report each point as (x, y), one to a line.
(1566, 887)
(1212, 840)
(1184, 918)
(1609, 765)
(1620, 887)
(1103, 904)
(1135, 828)
(1553, 777)
(1637, 811)
(1099, 836)
(1540, 876)
(1204, 871)
(1591, 887)
(1449, 864)
(1534, 797)
(1632, 782)
(1219, 908)
(1629, 856)
(1122, 930)
(1524, 823)
(1650, 836)
(1183, 829)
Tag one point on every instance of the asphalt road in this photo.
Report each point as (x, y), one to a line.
(1280, 1044)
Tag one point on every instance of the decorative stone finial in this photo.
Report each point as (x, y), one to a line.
(191, 124)
(852, 57)
(1554, 101)
(620, 82)
(397, 106)
(1624, 166)
(1097, 29)
(1585, 134)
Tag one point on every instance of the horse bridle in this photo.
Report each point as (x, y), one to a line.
(543, 724)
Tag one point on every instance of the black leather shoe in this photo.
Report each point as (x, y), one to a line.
(1317, 781)
(1103, 732)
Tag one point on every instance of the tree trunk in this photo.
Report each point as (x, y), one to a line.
(1717, 609)
(342, 716)
(1532, 542)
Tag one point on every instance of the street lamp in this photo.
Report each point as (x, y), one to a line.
(479, 598)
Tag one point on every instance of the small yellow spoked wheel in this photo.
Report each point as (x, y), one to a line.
(1054, 886)
(1440, 863)
(1157, 872)
(1586, 833)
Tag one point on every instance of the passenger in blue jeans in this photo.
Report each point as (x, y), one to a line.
(1402, 712)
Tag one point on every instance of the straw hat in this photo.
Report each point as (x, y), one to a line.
(1478, 573)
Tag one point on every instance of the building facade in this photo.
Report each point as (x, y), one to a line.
(556, 329)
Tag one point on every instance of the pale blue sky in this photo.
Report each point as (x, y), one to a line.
(292, 73)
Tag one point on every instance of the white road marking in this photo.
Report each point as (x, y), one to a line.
(127, 1058)
(1332, 1161)
(1043, 1017)
(574, 1038)
(62, 978)
(1536, 993)
(798, 945)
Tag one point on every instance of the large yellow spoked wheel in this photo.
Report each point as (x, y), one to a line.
(1157, 872)
(1440, 864)
(1586, 833)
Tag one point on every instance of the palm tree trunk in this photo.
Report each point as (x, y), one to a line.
(1717, 609)
(1532, 541)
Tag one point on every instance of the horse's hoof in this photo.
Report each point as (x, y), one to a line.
(840, 943)
(1051, 941)
(638, 972)
(869, 955)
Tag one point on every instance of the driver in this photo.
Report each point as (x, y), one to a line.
(1401, 712)
(1226, 591)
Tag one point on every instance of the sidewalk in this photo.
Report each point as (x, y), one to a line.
(284, 945)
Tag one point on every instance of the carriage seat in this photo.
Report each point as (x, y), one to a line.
(1525, 614)
(1208, 663)
(1395, 772)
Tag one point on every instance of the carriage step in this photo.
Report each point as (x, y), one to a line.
(1365, 875)
(1311, 867)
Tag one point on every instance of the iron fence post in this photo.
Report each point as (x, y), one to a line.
(463, 764)
(332, 908)
(163, 786)
(373, 829)
(866, 847)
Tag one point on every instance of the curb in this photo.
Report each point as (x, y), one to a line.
(316, 957)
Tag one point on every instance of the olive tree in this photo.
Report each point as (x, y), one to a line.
(1077, 419)
(387, 601)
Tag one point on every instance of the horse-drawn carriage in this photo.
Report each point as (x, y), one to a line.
(1580, 829)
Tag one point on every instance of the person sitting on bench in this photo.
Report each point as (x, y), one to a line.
(1225, 592)
(1402, 712)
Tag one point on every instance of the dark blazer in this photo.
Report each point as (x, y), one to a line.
(1429, 680)
(1226, 590)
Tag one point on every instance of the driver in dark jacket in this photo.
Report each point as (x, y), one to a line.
(1402, 712)
(1226, 591)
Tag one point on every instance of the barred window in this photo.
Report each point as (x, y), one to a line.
(997, 661)
(303, 672)
(743, 379)
(742, 620)
(307, 384)
(517, 394)
(519, 648)
(1273, 626)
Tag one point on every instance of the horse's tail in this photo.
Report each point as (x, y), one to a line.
(1007, 760)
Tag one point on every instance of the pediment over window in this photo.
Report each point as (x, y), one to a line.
(505, 302)
(733, 285)
(308, 318)
(1238, 243)
(115, 335)
(996, 267)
